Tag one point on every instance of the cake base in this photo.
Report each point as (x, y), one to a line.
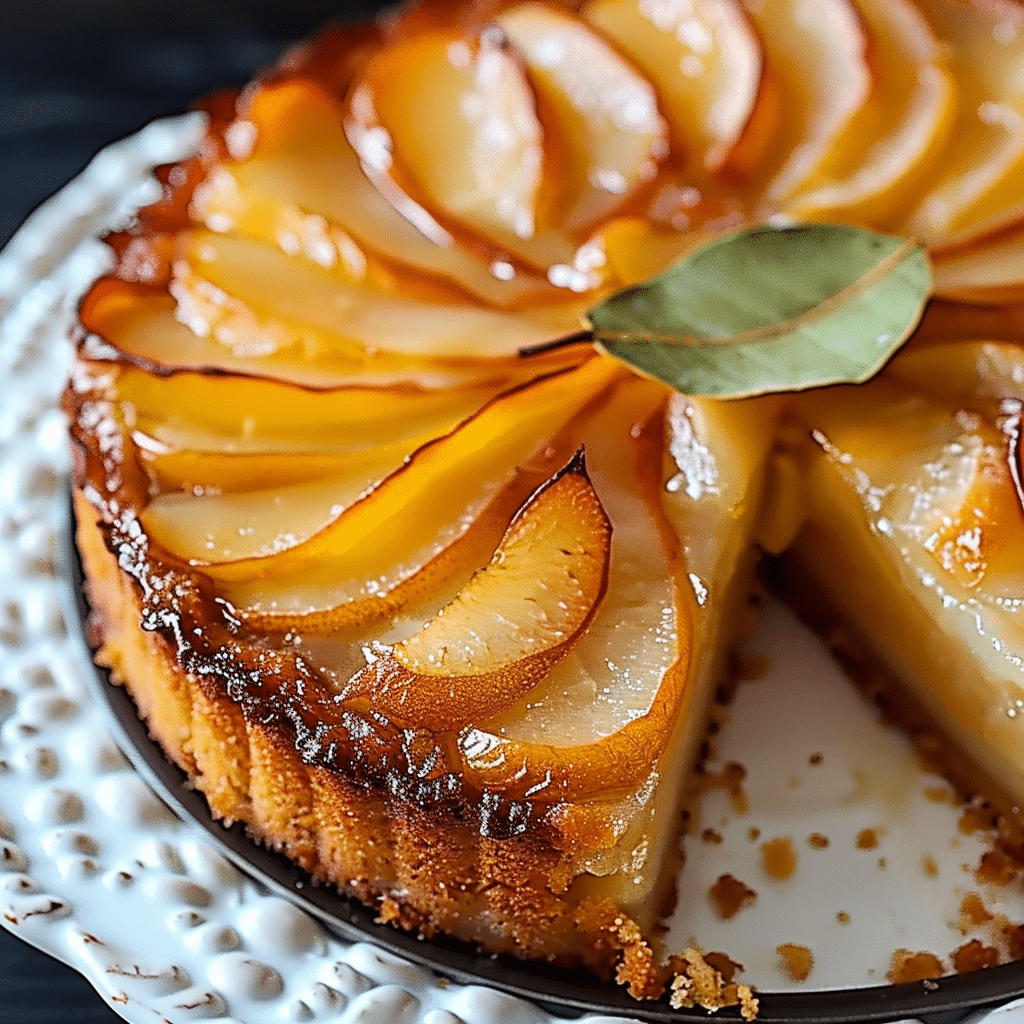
(422, 872)
(551, 986)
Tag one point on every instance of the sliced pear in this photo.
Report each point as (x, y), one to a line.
(416, 513)
(207, 309)
(704, 60)
(488, 172)
(243, 536)
(256, 298)
(229, 433)
(980, 233)
(817, 50)
(981, 377)
(889, 149)
(674, 587)
(411, 583)
(487, 176)
(981, 173)
(212, 527)
(240, 413)
(303, 164)
(255, 503)
(960, 497)
(145, 332)
(599, 113)
(509, 625)
(226, 472)
(990, 270)
(937, 469)
(141, 327)
(630, 668)
(140, 324)
(966, 510)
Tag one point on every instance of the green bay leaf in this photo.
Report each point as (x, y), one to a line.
(771, 309)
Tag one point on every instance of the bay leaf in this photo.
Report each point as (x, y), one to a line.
(770, 309)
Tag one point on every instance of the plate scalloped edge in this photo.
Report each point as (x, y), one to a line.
(94, 869)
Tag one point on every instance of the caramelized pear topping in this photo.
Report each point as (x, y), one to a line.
(706, 62)
(308, 354)
(894, 139)
(512, 621)
(605, 136)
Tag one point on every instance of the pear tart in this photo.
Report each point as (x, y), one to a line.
(435, 598)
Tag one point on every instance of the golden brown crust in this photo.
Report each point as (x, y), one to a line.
(163, 697)
(425, 871)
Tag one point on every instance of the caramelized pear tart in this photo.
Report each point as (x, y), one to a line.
(435, 598)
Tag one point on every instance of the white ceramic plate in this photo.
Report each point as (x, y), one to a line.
(96, 871)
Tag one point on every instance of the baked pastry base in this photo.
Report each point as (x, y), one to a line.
(423, 872)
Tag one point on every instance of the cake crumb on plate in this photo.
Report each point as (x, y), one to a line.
(797, 960)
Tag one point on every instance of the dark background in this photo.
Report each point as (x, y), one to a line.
(75, 75)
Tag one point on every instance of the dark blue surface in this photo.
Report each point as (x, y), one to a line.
(77, 74)
(63, 96)
(37, 990)
(74, 76)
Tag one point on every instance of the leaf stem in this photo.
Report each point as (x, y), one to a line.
(567, 341)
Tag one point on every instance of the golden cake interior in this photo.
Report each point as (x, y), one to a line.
(443, 620)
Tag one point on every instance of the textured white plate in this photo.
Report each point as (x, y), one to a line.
(96, 871)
